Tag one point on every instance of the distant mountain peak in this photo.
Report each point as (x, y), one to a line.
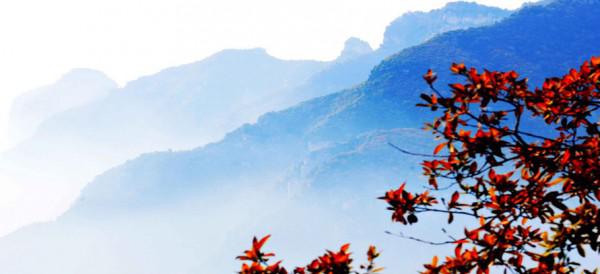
(75, 88)
(354, 47)
(86, 74)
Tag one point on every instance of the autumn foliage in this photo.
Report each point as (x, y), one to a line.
(329, 263)
(523, 164)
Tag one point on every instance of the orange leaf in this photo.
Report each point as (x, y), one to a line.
(258, 245)
(430, 77)
(595, 61)
(438, 148)
(458, 68)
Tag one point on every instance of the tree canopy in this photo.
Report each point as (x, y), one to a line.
(522, 164)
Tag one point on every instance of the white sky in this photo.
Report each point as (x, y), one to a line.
(40, 39)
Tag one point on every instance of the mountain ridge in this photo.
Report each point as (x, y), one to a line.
(421, 26)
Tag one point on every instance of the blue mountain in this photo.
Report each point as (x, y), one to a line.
(308, 174)
(533, 41)
(408, 30)
(187, 106)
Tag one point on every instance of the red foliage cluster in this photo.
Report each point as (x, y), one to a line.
(259, 260)
(523, 164)
(329, 263)
(403, 202)
(551, 175)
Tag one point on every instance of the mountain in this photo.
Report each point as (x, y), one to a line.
(413, 28)
(308, 174)
(185, 106)
(177, 108)
(74, 89)
(408, 30)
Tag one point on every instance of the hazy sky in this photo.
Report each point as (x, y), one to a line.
(40, 40)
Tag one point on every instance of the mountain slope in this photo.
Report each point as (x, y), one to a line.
(194, 211)
(74, 89)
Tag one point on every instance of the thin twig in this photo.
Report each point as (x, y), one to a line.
(416, 154)
(401, 235)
